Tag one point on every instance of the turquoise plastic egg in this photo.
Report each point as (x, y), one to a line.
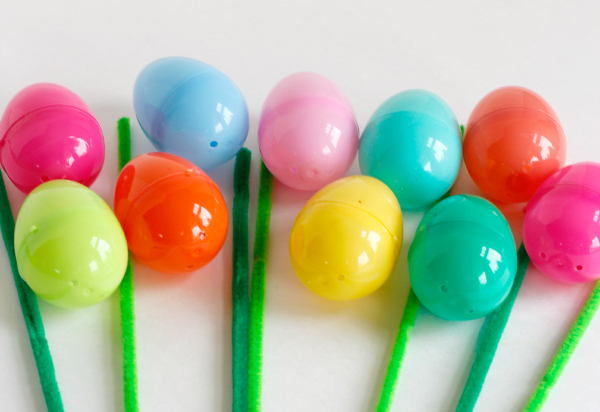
(462, 261)
(413, 144)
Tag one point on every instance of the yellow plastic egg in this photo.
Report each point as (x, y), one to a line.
(346, 240)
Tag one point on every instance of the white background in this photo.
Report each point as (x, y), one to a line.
(318, 355)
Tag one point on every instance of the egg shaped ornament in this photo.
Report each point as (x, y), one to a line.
(70, 248)
(189, 108)
(174, 216)
(513, 142)
(47, 132)
(346, 240)
(412, 143)
(462, 261)
(307, 135)
(561, 232)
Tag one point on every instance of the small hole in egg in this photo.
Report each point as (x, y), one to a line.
(360, 201)
(45, 178)
(471, 311)
(341, 278)
(213, 144)
(190, 266)
(444, 288)
(543, 256)
(202, 235)
(579, 267)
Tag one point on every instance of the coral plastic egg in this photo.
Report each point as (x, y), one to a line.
(412, 143)
(174, 216)
(70, 248)
(561, 230)
(189, 108)
(513, 142)
(462, 261)
(47, 132)
(346, 240)
(308, 136)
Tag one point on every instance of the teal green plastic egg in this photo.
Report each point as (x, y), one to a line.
(70, 247)
(462, 261)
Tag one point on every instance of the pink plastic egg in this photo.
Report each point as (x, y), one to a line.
(561, 230)
(308, 136)
(47, 132)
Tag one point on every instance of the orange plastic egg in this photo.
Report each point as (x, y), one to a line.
(513, 142)
(173, 215)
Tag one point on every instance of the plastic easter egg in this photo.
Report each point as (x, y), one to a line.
(307, 134)
(189, 108)
(174, 216)
(47, 132)
(561, 230)
(346, 240)
(462, 261)
(70, 248)
(513, 142)
(412, 143)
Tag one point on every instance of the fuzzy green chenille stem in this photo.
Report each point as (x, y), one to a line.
(127, 291)
(257, 302)
(566, 350)
(393, 371)
(124, 133)
(31, 312)
(240, 287)
(494, 326)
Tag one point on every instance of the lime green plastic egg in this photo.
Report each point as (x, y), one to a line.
(70, 247)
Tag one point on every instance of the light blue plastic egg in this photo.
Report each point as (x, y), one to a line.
(413, 144)
(191, 109)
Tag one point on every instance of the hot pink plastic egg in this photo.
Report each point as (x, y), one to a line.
(47, 132)
(308, 136)
(561, 230)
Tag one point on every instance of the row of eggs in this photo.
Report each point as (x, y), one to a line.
(345, 243)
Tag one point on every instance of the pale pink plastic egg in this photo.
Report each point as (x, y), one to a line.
(308, 136)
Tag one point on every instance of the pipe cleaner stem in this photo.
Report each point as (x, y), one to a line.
(491, 334)
(566, 350)
(257, 301)
(393, 371)
(240, 293)
(124, 133)
(31, 311)
(127, 292)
